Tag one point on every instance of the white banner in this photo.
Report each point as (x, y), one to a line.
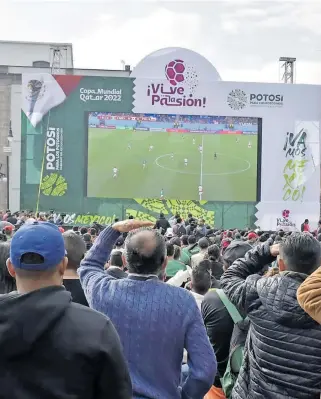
(289, 177)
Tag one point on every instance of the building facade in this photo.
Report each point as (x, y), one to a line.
(17, 58)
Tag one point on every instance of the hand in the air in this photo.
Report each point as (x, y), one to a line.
(131, 224)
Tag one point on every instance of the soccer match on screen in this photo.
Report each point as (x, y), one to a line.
(172, 156)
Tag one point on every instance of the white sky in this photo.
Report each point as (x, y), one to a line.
(243, 39)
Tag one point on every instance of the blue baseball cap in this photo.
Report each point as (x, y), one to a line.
(41, 238)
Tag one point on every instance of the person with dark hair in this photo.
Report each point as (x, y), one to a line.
(75, 252)
(305, 226)
(173, 262)
(7, 283)
(162, 224)
(87, 239)
(40, 322)
(213, 255)
(75, 228)
(179, 227)
(116, 265)
(282, 357)
(93, 232)
(200, 281)
(83, 230)
(218, 322)
(203, 244)
(119, 245)
(148, 313)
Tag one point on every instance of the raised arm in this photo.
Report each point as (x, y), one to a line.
(239, 280)
(309, 295)
(92, 276)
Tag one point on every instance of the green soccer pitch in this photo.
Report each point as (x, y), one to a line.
(231, 176)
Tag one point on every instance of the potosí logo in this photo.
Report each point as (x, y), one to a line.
(268, 100)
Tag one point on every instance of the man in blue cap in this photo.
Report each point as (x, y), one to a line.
(50, 346)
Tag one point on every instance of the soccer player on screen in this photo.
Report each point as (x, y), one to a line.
(115, 172)
(237, 140)
(172, 155)
(200, 148)
(185, 161)
(193, 141)
(250, 145)
(151, 147)
(129, 146)
(200, 192)
(215, 155)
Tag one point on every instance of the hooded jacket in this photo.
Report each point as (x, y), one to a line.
(282, 357)
(53, 348)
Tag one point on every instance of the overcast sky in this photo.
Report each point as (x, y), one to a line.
(243, 39)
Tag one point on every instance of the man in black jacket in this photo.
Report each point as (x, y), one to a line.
(218, 322)
(162, 224)
(51, 347)
(282, 357)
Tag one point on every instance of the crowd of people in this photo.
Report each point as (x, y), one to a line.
(165, 310)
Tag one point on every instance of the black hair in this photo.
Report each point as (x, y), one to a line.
(191, 240)
(306, 221)
(177, 252)
(75, 228)
(87, 237)
(213, 253)
(83, 230)
(176, 241)
(7, 283)
(203, 243)
(278, 239)
(229, 234)
(319, 237)
(281, 233)
(201, 279)
(130, 217)
(179, 220)
(184, 239)
(116, 220)
(169, 249)
(301, 253)
(93, 231)
(145, 251)
(116, 259)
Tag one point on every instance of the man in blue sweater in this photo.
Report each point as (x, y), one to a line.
(155, 321)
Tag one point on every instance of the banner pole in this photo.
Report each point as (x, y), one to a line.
(41, 175)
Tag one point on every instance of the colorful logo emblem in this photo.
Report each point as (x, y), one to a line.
(178, 72)
(286, 213)
(35, 89)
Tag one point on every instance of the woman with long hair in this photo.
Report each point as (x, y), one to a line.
(213, 255)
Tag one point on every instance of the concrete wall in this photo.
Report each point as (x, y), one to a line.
(25, 53)
(5, 93)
